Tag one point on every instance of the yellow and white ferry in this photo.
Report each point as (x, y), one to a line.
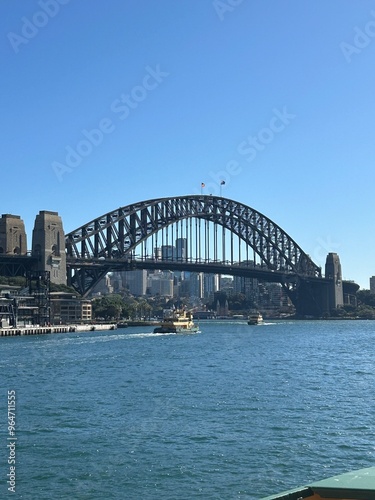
(177, 321)
(255, 318)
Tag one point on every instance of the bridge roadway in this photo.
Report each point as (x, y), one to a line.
(309, 294)
(17, 265)
(232, 269)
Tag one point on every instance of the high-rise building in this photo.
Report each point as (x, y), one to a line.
(248, 286)
(181, 249)
(135, 281)
(168, 252)
(103, 287)
(161, 284)
(211, 284)
(372, 284)
(196, 285)
(157, 253)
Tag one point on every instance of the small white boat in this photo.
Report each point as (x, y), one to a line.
(355, 485)
(255, 318)
(177, 321)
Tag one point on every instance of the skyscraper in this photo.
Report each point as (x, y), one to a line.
(181, 249)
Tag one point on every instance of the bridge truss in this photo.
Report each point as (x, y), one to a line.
(196, 232)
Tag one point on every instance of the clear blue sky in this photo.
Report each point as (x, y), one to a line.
(274, 97)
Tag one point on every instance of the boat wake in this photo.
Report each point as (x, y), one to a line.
(148, 334)
(168, 334)
(105, 337)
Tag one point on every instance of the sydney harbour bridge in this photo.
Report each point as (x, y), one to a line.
(197, 233)
(216, 235)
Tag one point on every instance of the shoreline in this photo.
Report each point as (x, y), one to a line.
(44, 330)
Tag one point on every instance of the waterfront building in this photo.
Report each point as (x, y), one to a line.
(372, 284)
(67, 309)
(19, 307)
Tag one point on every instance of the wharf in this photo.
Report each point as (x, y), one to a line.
(42, 330)
(143, 323)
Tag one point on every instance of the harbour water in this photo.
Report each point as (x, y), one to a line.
(234, 412)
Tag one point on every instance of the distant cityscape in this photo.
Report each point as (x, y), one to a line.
(207, 294)
(39, 301)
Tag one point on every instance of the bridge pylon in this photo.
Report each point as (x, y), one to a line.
(48, 245)
(309, 296)
(321, 297)
(12, 235)
(334, 275)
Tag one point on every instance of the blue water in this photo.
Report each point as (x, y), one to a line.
(233, 412)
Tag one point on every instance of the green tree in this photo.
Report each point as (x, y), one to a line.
(366, 297)
(13, 280)
(238, 302)
(366, 312)
(62, 288)
(109, 307)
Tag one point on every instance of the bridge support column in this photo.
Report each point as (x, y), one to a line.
(12, 235)
(310, 297)
(334, 275)
(49, 245)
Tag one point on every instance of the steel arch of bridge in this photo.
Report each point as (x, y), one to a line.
(111, 241)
